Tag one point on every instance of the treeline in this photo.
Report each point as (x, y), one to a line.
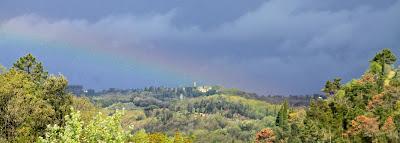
(363, 110)
(161, 91)
(163, 95)
(293, 100)
(230, 106)
(158, 96)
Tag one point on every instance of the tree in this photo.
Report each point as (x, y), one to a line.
(283, 129)
(105, 129)
(385, 57)
(365, 127)
(159, 138)
(85, 107)
(70, 133)
(282, 118)
(140, 137)
(54, 93)
(28, 104)
(22, 111)
(30, 65)
(266, 135)
(389, 128)
(331, 87)
(99, 129)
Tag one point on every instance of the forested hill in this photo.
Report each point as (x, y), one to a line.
(220, 114)
(163, 95)
(366, 109)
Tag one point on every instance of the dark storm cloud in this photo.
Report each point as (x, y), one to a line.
(276, 46)
(202, 13)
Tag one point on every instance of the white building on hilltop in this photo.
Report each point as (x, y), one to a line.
(204, 88)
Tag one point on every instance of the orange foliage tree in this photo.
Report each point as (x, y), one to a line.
(266, 135)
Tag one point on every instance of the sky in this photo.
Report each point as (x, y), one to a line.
(262, 46)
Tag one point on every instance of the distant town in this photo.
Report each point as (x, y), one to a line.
(80, 90)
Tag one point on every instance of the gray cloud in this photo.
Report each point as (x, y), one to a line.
(281, 46)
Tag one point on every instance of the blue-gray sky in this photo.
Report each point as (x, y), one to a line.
(263, 46)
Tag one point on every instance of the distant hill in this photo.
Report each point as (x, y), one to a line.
(211, 118)
(160, 95)
(224, 115)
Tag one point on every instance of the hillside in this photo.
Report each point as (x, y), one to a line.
(223, 118)
(366, 109)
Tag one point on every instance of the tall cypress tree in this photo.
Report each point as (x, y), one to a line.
(282, 118)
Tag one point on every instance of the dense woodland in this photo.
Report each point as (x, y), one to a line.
(366, 109)
(35, 107)
(221, 116)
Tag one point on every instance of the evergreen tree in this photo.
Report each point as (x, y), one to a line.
(283, 129)
(331, 87)
(384, 58)
(282, 118)
(30, 65)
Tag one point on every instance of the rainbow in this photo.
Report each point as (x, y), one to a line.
(138, 62)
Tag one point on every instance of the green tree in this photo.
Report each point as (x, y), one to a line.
(28, 106)
(54, 93)
(105, 129)
(384, 58)
(99, 129)
(331, 87)
(30, 65)
(283, 129)
(70, 133)
(282, 118)
(23, 113)
(140, 137)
